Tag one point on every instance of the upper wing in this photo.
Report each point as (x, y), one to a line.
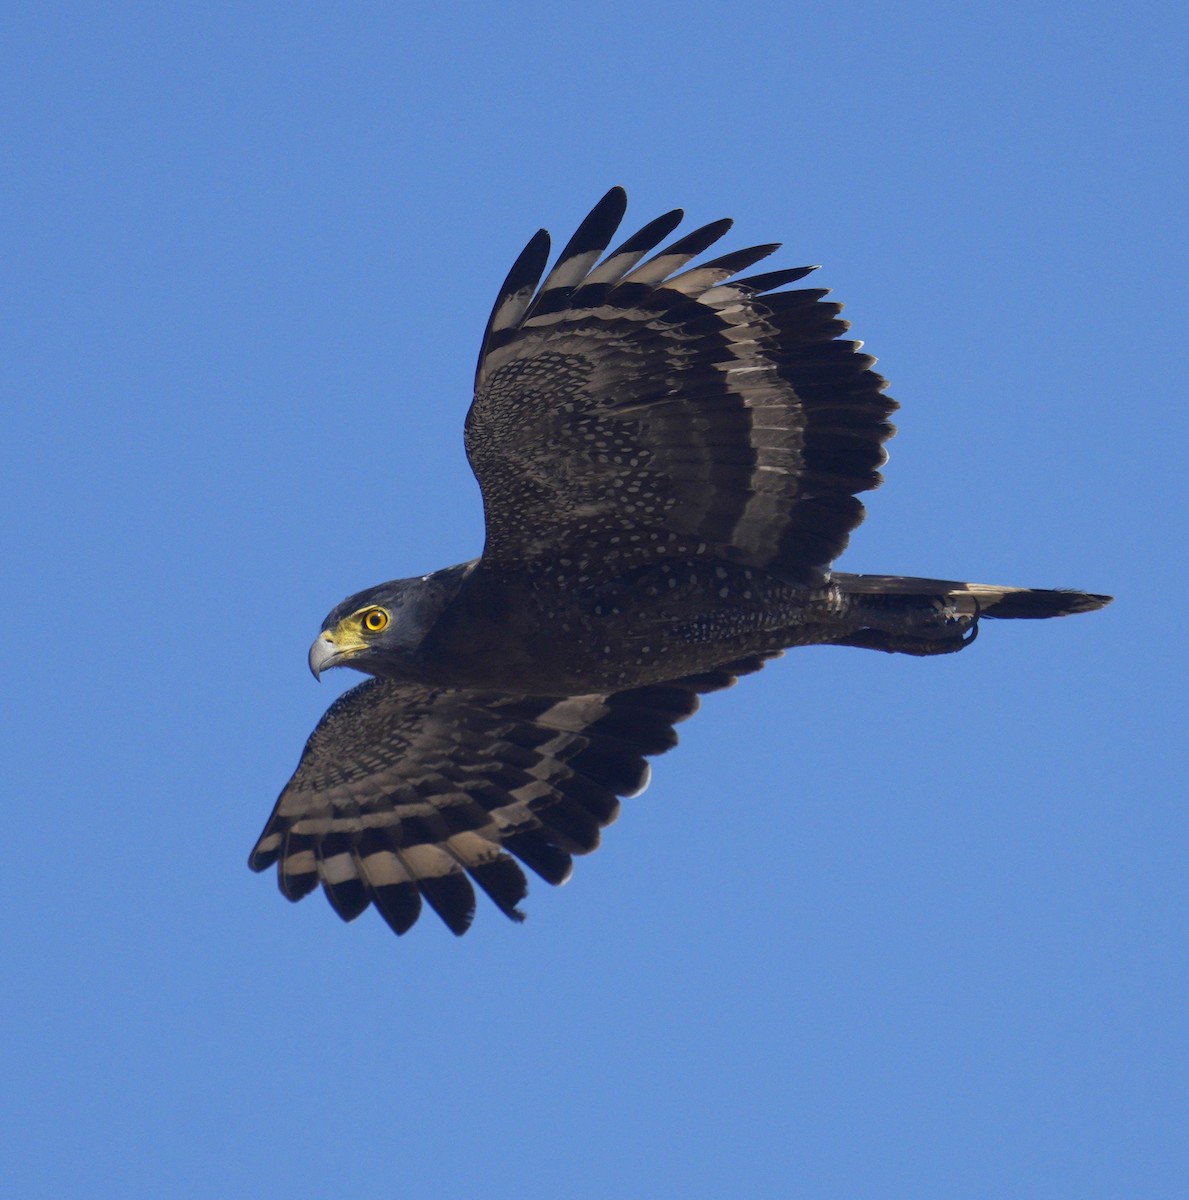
(624, 412)
(403, 791)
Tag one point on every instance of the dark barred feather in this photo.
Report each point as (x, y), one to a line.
(380, 813)
(695, 417)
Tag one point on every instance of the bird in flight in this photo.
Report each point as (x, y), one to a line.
(669, 457)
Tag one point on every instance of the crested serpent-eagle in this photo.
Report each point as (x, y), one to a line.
(669, 457)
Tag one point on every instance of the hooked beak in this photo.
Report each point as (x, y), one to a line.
(323, 654)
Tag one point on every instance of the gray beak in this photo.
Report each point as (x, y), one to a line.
(322, 654)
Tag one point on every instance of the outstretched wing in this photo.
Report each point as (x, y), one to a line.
(626, 412)
(403, 792)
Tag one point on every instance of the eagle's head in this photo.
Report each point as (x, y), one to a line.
(380, 630)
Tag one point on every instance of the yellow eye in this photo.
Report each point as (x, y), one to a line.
(374, 620)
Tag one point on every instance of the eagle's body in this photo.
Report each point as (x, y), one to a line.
(477, 629)
(669, 464)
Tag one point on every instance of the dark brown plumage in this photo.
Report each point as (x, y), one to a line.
(669, 459)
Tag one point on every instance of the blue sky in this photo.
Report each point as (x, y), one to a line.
(881, 927)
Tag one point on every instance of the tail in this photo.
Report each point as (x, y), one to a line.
(977, 599)
(905, 615)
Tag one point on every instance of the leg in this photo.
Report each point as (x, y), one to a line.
(949, 642)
